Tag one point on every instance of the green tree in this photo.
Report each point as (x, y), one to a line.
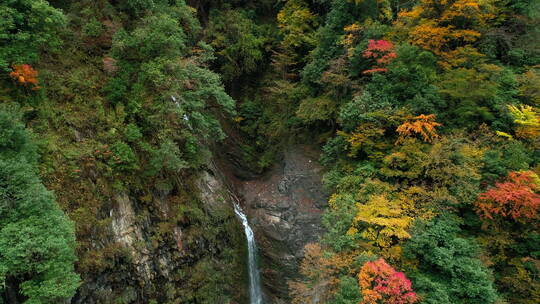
(137, 7)
(36, 239)
(449, 269)
(409, 81)
(165, 85)
(297, 25)
(329, 45)
(478, 95)
(348, 292)
(26, 28)
(159, 35)
(237, 40)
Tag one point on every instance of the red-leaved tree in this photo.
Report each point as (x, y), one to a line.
(383, 53)
(381, 283)
(515, 197)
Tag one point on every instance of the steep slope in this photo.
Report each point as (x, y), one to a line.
(284, 206)
(125, 112)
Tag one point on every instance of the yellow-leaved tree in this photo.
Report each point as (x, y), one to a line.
(445, 26)
(383, 220)
(527, 120)
(384, 215)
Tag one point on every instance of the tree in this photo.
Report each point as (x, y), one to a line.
(423, 125)
(380, 283)
(320, 269)
(448, 269)
(25, 74)
(410, 81)
(503, 157)
(338, 219)
(382, 51)
(329, 40)
(530, 85)
(516, 197)
(159, 35)
(297, 23)
(297, 26)
(318, 272)
(136, 7)
(237, 41)
(363, 138)
(36, 239)
(383, 221)
(164, 83)
(26, 28)
(476, 94)
(348, 292)
(445, 26)
(528, 121)
(382, 7)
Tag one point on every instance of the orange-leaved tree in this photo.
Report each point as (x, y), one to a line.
(320, 271)
(422, 124)
(316, 270)
(516, 197)
(25, 74)
(381, 283)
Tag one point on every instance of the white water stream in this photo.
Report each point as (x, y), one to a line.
(255, 294)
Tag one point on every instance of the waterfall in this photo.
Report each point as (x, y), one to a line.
(255, 293)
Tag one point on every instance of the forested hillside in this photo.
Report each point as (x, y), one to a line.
(119, 119)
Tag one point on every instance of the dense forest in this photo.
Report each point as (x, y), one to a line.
(115, 113)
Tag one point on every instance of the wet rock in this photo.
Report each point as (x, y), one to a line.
(285, 208)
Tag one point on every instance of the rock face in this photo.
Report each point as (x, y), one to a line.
(187, 246)
(285, 208)
(162, 258)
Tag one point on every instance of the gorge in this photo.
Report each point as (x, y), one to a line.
(269, 151)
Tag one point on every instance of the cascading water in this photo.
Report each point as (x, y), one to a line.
(255, 293)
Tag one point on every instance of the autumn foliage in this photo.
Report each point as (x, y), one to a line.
(319, 271)
(422, 124)
(383, 53)
(380, 283)
(352, 31)
(362, 137)
(446, 26)
(527, 120)
(516, 197)
(387, 220)
(25, 74)
(316, 269)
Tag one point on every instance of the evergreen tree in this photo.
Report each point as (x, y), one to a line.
(449, 270)
(26, 27)
(36, 239)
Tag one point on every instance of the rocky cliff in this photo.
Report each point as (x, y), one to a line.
(285, 206)
(168, 256)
